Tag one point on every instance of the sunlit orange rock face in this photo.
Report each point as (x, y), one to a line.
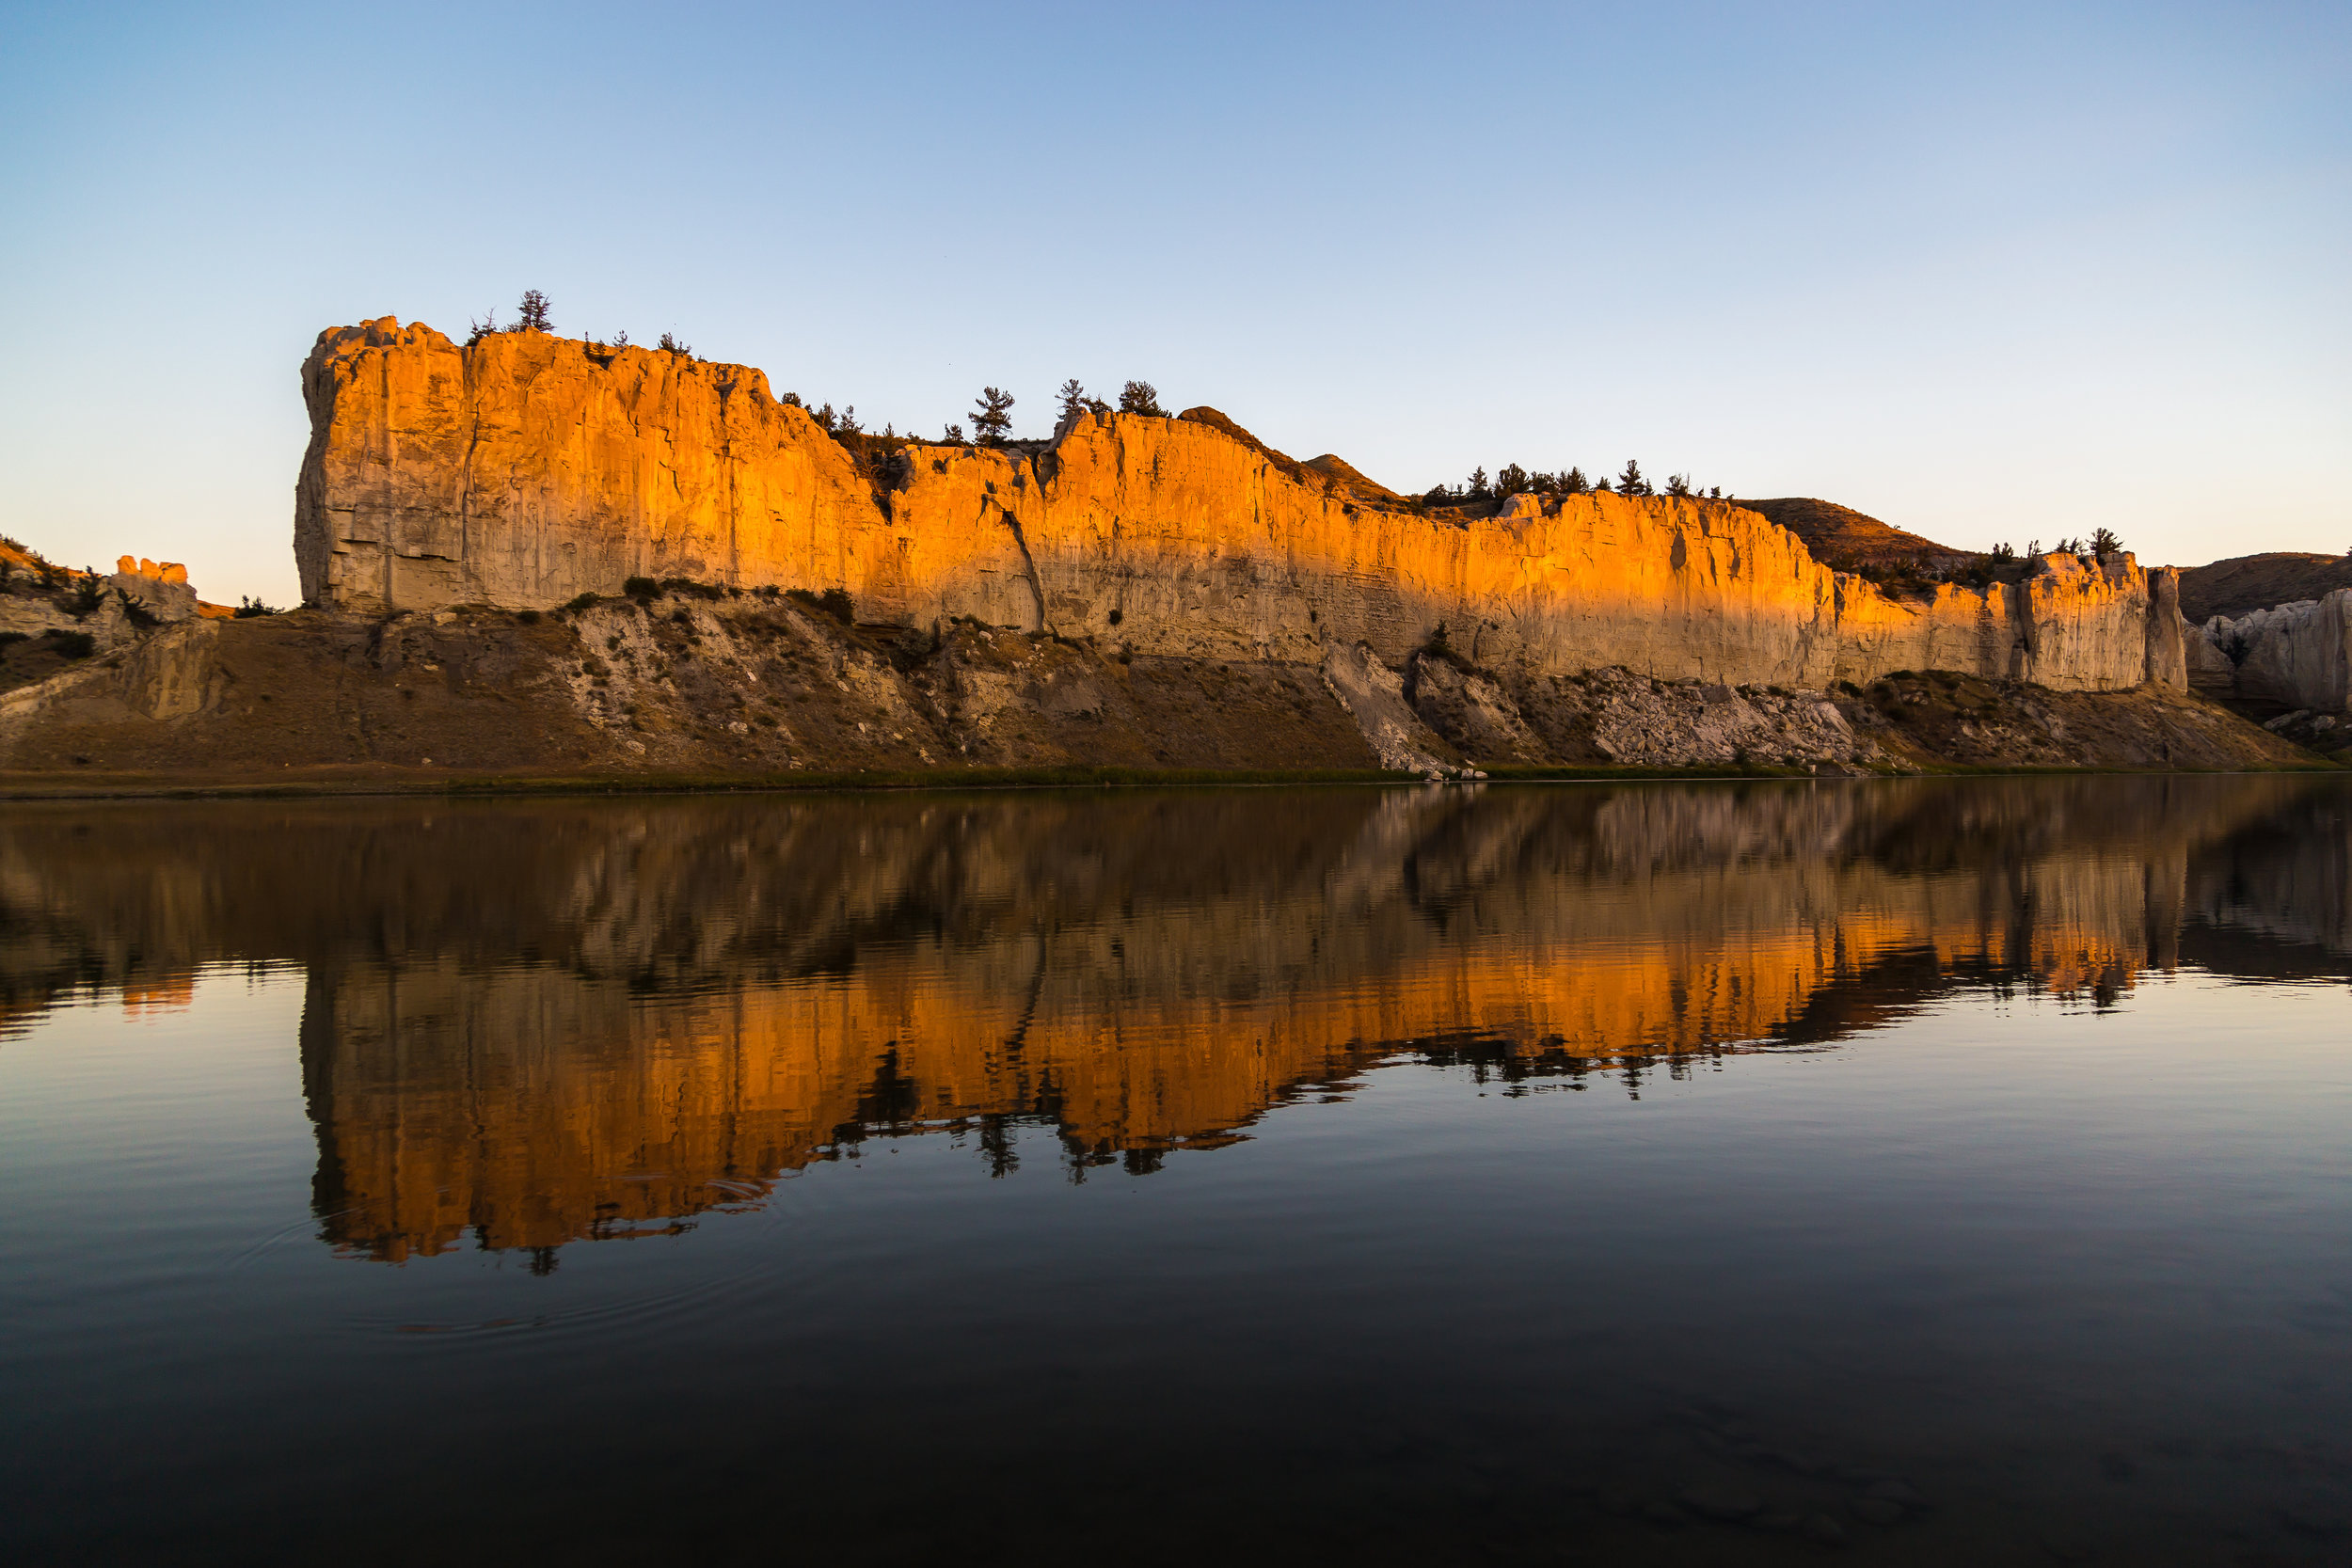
(528, 470)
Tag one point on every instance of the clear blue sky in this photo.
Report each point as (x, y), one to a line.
(1984, 273)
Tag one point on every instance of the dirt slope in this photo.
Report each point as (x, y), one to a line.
(1351, 480)
(741, 683)
(2250, 582)
(711, 683)
(1840, 536)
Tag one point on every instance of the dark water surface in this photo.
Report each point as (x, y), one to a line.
(1958, 1171)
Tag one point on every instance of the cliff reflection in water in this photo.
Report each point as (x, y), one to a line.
(538, 1023)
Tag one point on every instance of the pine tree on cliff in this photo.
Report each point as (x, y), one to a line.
(1073, 399)
(1679, 485)
(1630, 482)
(1478, 491)
(1573, 482)
(2103, 542)
(1141, 397)
(532, 314)
(991, 416)
(1512, 480)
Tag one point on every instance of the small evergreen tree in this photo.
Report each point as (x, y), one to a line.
(1438, 495)
(482, 328)
(1141, 397)
(1478, 491)
(824, 417)
(1679, 485)
(847, 424)
(2103, 542)
(620, 339)
(954, 434)
(991, 416)
(1573, 482)
(669, 345)
(1601, 486)
(1073, 399)
(1630, 482)
(2004, 551)
(1512, 480)
(532, 314)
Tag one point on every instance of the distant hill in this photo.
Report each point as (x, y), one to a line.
(1840, 536)
(2248, 582)
(1353, 481)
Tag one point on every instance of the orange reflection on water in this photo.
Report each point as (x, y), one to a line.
(531, 1023)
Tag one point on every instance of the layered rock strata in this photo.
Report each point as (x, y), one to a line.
(528, 470)
(2292, 657)
(63, 633)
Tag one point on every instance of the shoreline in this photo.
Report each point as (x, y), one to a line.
(30, 788)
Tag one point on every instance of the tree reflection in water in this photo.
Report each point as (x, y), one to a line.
(533, 1023)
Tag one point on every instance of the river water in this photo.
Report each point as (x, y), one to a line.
(1917, 1171)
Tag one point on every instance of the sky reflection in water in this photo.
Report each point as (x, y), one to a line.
(1647, 1174)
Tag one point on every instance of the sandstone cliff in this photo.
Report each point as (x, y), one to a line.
(2290, 657)
(528, 470)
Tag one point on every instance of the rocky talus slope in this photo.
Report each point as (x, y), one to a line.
(713, 681)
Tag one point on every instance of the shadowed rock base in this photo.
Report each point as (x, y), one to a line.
(714, 682)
